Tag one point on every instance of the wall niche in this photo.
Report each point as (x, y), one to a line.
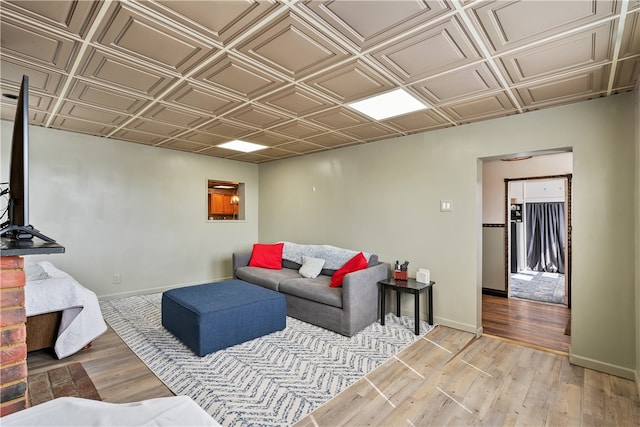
(225, 200)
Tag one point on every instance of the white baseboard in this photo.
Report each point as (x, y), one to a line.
(155, 290)
(607, 368)
(457, 325)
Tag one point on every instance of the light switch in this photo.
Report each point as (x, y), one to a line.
(446, 206)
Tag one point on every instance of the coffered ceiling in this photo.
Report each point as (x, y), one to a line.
(189, 75)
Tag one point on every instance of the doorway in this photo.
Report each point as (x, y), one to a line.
(539, 324)
(538, 239)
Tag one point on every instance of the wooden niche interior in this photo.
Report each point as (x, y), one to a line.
(224, 200)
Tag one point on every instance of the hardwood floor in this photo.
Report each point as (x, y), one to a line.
(532, 323)
(118, 374)
(448, 377)
(451, 378)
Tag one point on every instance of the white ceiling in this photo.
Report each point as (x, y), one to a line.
(189, 75)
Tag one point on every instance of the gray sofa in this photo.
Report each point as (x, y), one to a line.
(345, 310)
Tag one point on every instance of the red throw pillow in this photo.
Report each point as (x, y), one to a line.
(267, 256)
(358, 262)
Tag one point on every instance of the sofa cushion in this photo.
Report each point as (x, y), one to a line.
(373, 260)
(265, 277)
(313, 289)
(267, 256)
(358, 262)
(311, 267)
(290, 264)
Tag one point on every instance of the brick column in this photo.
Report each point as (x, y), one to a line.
(13, 333)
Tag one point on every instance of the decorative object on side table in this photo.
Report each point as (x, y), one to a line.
(400, 271)
(423, 275)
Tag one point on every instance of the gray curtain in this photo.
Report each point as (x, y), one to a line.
(545, 236)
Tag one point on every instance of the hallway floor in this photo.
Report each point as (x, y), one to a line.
(532, 323)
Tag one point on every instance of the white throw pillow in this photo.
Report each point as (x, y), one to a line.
(311, 267)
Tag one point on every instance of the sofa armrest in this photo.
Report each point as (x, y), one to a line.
(360, 294)
(240, 259)
(373, 274)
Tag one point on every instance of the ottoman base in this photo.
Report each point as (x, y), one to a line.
(214, 316)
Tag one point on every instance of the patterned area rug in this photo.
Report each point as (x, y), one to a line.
(538, 286)
(274, 380)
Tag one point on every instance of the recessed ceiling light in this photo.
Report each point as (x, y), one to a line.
(389, 104)
(245, 147)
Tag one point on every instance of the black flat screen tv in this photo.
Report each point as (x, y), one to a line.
(17, 225)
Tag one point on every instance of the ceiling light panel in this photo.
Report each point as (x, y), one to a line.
(245, 147)
(390, 104)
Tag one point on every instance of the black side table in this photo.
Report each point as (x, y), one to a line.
(410, 286)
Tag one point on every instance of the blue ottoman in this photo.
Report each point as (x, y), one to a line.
(214, 316)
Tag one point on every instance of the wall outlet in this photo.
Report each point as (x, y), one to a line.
(116, 279)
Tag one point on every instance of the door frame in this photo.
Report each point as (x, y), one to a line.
(568, 198)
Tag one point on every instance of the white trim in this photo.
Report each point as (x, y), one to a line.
(156, 290)
(607, 368)
(456, 325)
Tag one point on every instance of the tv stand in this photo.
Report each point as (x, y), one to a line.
(24, 232)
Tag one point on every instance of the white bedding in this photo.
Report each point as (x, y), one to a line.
(74, 411)
(48, 290)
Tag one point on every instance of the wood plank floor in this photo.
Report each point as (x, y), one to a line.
(451, 378)
(532, 323)
(446, 378)
(118, 374)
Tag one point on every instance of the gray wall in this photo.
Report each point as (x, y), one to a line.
(384, 197)
(138, 211)
(493, 258)
(133, 210)
(495, 171)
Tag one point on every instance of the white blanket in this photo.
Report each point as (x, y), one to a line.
(74, 411)
(333, 257)
(48, 290)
